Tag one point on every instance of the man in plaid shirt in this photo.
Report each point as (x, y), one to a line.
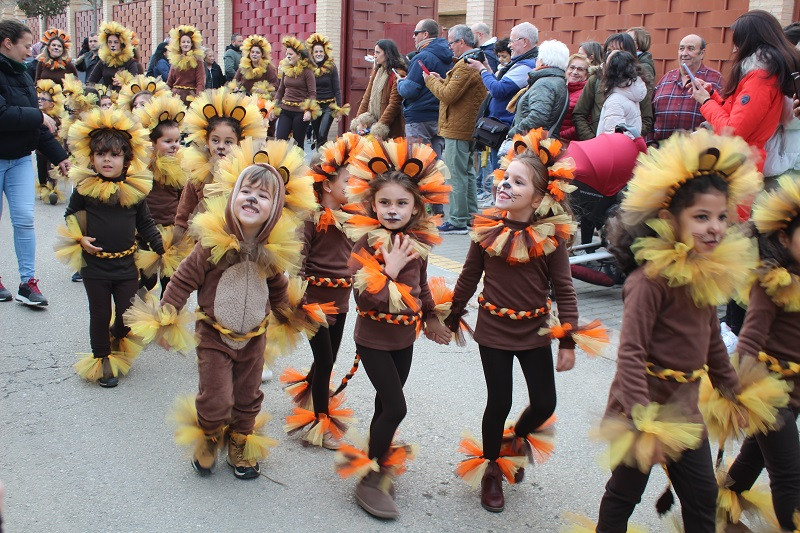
(674, 108)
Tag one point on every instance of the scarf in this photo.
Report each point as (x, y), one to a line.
(376, 94)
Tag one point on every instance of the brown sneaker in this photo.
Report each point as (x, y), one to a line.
(329, 442)
(373, 499)
(205, 453)
(492, 488)
(242, 468)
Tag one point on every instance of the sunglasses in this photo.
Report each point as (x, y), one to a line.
(417, 32)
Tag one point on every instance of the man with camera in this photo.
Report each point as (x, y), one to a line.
(460, 95)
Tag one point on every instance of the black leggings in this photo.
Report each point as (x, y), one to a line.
(734, 316)
(692, 477)
(291, 123)
(778, 452)
(591, 208)
(42, 168)
(100, 292)
(324, 346)
(388, 372)
(321, 125)
(498, 366)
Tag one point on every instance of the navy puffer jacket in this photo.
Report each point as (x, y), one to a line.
(21, 128)
(419, 104)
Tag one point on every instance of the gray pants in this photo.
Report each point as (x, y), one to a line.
(427, 133)
(463, 199)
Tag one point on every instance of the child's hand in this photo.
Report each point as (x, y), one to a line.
(658, 456)
(164, 344)
(271, 116)
(402, 253)
(87, 246)
(436, 331)
(566, 359)
(307, 116)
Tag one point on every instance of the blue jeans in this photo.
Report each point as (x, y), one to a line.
(16, 183)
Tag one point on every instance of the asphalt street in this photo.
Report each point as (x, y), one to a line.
(76, 457)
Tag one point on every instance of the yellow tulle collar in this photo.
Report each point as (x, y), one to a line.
(198, 165)
(517, 242)
(182, 61)
(325, 217)
(292, 71)
(424, 234)
(712, 279)
(782, 286)
(325, 68)
(115, 60)
(282, 252)
(168, 171)
(128, 192)
(252, 73)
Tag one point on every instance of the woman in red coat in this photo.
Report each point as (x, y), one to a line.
(577, 74)
(751, 104)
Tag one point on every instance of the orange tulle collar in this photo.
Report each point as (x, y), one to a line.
(325, 217)
(517, 242)
(424, 234)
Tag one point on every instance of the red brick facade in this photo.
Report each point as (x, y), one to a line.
(274, 18)
(33, 24)
(201, 14)
(136, 16)
(575, 21)
(85, 24)
(365, 22)
(59, 21)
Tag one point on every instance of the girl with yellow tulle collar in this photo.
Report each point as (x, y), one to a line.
(256, 68)
(187, 73)
(520, 249)
(682, 260)
(296, 99)
(770, 335)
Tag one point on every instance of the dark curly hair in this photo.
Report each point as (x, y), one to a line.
(770, 248)
(621, 236)
(213, 122)
(620, 71)
(114, 141)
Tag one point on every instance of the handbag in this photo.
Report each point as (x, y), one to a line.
(490, 132)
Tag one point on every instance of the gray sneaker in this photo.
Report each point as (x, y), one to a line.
(29, 294)
(5, 294)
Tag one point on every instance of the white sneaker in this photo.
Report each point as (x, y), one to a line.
(728, 337)
(266, 374)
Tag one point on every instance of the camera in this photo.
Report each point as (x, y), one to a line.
(477, 55)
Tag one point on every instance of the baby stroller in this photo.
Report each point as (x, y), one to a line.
(603, 166)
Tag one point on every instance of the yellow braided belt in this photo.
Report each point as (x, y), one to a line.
(779, 366)
(332, 283)
(232, 335)
(185, 87)
(505, 312)
(390, 318)
(326, 101)
(676, 376)
(115, 255)
(293, 104)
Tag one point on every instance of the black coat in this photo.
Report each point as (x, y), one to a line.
(21, 123)
(214, 76)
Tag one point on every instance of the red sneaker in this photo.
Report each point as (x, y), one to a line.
(5, 294)
(29, 294)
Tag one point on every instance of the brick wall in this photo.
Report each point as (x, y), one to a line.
(575, 21)
(199, 13)
(33, 23)
(84, 25)
(274, 19)
(59, 21)
(136, 16)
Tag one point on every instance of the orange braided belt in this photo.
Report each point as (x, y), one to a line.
(505, 312)
(332, 283)
(397, 319)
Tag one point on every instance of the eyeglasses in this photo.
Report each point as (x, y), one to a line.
(517, 39)
(417, 32)
(43, 99)
(576, 69)
(451, 43)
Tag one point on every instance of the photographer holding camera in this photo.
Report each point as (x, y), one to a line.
(460, 95)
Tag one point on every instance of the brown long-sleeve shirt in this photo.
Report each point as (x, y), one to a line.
(326, 254)
(270, 75)
(179, 80)
(662, 325)
(297, 89)
(521, 287)
(768, 328)
(380, 335)
(190, 198)
(163, 204)
(57, 75)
